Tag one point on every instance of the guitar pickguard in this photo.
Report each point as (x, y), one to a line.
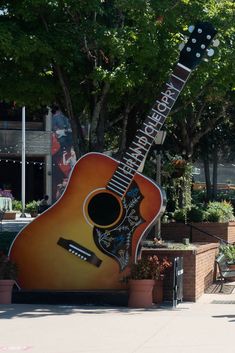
(116, 242)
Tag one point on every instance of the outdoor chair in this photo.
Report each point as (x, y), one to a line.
(224, 270)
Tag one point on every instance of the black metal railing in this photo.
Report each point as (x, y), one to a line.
(222, 241)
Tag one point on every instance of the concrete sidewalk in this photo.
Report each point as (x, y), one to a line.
(206, 326)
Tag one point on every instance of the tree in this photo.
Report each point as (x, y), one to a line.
(103, 61)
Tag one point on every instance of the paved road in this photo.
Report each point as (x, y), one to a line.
(206, 326)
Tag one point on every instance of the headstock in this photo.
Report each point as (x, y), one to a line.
(197, 45)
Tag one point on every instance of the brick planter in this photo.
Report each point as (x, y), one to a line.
(199, 269)
(9, 215)
(177, 231)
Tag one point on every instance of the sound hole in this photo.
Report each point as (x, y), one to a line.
(104, 209)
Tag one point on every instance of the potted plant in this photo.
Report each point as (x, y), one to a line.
(32, 208)
(8, 275)
(142, 279)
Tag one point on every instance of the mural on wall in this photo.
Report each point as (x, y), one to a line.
(63, 155)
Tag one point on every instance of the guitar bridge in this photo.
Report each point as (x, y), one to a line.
(79, 251)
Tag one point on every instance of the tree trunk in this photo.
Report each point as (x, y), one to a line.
(207, 177)
(93, 139)
(122, 144)
(215, 173)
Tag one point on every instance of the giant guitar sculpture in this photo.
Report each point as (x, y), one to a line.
(89, 237)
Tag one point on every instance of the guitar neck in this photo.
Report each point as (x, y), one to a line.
(146, 134)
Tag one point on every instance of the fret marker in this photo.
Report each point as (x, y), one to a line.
(210, 52)
(191, 29)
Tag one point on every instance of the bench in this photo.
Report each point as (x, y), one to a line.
(224, 270)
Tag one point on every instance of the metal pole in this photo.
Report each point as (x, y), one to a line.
(23, 164)
(158, 181)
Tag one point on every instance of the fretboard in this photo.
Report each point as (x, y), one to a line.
(147, 133)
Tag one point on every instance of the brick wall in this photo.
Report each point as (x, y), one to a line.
(199, 269)
(176, 231)
(205, 268)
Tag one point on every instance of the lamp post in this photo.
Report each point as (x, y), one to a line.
(159, 140)
(23, 165)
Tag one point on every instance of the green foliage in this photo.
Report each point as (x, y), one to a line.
(229, 252)
(219, 212)
(55, 50)
(196, 214)
(31, 206)
(16, 205)
(180, 215)
(213, 212)
(198, 196)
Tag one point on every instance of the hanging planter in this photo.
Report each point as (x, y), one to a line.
(179, 168)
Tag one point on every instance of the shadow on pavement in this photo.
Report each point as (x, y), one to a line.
(225, 316)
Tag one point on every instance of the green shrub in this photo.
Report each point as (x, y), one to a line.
(229, 252)
(219, 211)
(179, 215)
(16, 205)
(31, 206)
(196, 214)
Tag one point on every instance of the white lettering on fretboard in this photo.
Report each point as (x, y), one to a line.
(135, 155)
(171, 86)
(149, 130)
(127, 169)
(136, 144)
(169, 94)
(161, 106)
(136, 152)
(130, 162)
(142, 140)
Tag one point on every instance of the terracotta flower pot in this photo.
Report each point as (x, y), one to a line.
(158, 291)
(141, 293)
(6, 286)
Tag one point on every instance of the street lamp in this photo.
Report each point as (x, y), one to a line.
(23, 165)
(159, 140)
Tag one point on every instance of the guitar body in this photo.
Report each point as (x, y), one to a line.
(71, 247)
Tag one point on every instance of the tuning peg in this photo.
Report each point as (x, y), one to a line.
(210, 52)
(216, 43)
(181, 46)
(191, 28)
